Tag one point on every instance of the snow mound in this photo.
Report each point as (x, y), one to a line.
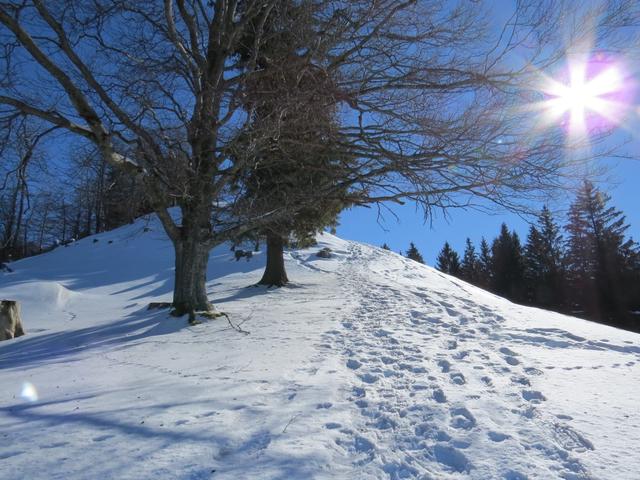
(368, 365)
(39, 294)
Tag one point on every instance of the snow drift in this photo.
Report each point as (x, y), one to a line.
(368, 366)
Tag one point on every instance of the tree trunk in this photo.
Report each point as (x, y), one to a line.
(275, 274)
(190, 291)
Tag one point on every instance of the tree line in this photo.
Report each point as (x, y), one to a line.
(266, 118)
(589, 267)
(42, 207)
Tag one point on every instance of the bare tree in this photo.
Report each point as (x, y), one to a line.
(21, 157)
(425, 96)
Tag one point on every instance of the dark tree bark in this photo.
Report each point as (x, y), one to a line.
(192, 258)
(275, 274)
(190, 291)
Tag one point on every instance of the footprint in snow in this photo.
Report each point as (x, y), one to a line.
(445, 366)
(498, 436)
(533, 396)
(513, 361)
(353, 364)
(457, 378)
(462, 418)
(521, 380)
(363, 445)
(564, 417)
(359, 392)
(461, 355)
(439, 396)
(570, 439)
(382, 333)
(383, 422)
(451, 457)
(532, 371)
(509, 356)
(368, 378)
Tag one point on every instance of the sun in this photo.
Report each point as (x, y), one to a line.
(592, 95)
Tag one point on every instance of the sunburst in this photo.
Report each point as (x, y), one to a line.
(593, 94)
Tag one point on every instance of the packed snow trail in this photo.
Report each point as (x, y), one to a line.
(443, 396)
(368, 366)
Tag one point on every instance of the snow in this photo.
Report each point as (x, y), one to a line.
(368, 366)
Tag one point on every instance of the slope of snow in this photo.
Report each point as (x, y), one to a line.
(368, 366)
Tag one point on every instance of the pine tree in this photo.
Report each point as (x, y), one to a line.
(544, 272)
(534, 265)
(414, 254)
(507, 265)
(385, 246)
(485, 273)
(448, 260)
(470, 268)
(601, 261)
(291, 144)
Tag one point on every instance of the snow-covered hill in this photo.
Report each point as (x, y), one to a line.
(368, 366)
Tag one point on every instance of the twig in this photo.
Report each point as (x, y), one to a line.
(235, 327)
(290, 422)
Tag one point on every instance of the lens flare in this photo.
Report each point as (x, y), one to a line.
(592, 95)
(29, 392)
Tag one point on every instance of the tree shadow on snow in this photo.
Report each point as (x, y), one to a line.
(62, 346)
(251, 291)
(243, 452)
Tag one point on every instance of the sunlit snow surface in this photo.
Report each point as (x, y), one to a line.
(368, 366)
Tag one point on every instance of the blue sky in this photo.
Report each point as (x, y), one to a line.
(361, 224)
(622, 183)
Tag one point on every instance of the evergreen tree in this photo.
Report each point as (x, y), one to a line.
(544, 272)
(484, 266)
(534, 264)
(602, 263)
(470, 268)
(448, 260)
(385, 246)
(292, 144)
(414, 254)
(507, 265)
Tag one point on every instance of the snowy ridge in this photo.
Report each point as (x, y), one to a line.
(368, 366)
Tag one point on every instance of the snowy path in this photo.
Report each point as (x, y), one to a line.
(444, 396)
(370, 366)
